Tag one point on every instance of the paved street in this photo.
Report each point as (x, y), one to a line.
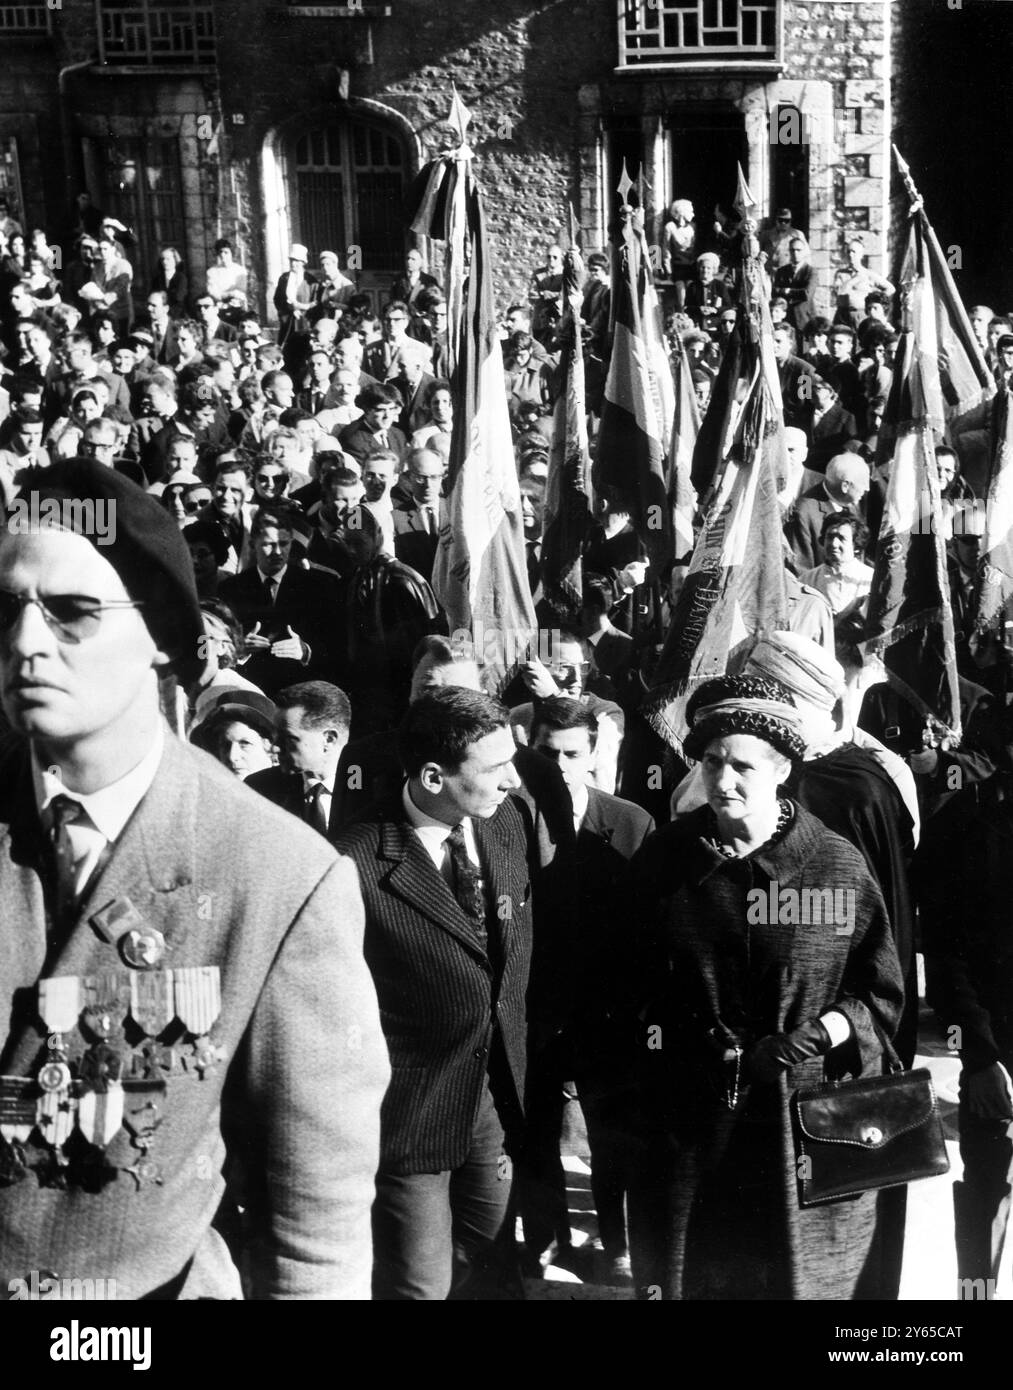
(930, 1267)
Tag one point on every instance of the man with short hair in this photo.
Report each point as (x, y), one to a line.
(417, 522)
(160, 424)
(796, 378)
(230, 509)
(287, 612)
(376, 429)
(444, 873)
(383, 359)
(181, 960)
(843, 489)
(609, 832)
(379, 473)
(24, 449)
(311, 730)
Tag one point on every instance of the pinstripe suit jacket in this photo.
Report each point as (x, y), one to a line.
(436, 982)
(234, 882)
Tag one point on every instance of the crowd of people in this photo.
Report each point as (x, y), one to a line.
(553, 902)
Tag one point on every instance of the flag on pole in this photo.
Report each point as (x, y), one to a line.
(569, 501)
(995, 575)
(480, 568)
(685, 429)
(910, 620)
(735, 586)
(639, 400)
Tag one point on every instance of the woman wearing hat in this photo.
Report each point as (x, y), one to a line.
(777, 970)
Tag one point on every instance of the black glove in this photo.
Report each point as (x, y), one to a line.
(775, 1053)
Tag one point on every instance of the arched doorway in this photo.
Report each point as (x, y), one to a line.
(339, 184)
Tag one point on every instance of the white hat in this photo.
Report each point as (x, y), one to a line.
(298, 252)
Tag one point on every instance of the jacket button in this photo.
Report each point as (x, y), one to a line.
(481, 1053)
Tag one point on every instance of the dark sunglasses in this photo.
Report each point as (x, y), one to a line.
(71, 616)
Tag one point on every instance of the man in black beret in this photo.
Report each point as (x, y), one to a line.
(164, 932)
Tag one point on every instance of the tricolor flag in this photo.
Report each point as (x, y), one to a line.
(735, 585)
(910, 621)
(639, 400)
(995, 574)
(569, 505)
(480, 569)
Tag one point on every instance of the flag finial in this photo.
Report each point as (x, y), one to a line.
(904, 169)
(625, 184)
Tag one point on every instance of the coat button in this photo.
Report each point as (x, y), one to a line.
(481, 1053)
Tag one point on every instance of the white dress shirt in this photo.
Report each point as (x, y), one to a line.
(106, 811)
(434, 833)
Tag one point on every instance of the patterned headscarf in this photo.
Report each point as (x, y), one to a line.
(744, 705)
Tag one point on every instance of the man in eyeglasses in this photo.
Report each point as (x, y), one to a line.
(776, 239)
(383, 359)
(183, 970)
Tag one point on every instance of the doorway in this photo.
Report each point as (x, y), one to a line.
(706, 148)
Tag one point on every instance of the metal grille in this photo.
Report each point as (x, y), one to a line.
(10, 180)
(142, 186)
(658, 31)
(351, 189)
(24, 19)
(152, 33)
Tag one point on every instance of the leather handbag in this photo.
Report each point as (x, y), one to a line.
(858, 1136)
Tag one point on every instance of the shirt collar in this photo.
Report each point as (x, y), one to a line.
(110, 807)
(274, 578)
(581, 799)
(421, 821)
(310, 780)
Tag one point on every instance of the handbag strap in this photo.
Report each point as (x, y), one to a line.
(891, 1061)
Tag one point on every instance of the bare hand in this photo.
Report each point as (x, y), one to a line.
(538, 680)
(256, 640)
(290, 648)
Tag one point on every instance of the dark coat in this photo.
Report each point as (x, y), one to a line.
(448, 1013)
(308, 601)
(232, 884)
(413, 544)
(287, 790)
(359, 441)
(715, 1211)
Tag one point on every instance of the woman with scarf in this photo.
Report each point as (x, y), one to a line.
(768, 966)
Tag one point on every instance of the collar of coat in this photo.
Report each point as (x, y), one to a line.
(786, 858)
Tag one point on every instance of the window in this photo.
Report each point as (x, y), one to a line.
(141, 185)
(31, 19)
(350, 191)
(11, 200)
(153, 33)
(669, 32)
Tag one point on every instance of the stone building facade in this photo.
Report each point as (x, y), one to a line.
(272, 122)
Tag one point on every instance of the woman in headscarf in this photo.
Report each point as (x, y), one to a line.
(768, 966)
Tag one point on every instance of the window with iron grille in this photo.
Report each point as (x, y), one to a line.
(141, 185)
(662, 32)
(30, 19)
(11, 200)
(156, 33)
(350, 180)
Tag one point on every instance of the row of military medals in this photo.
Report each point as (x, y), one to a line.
(113, 1083)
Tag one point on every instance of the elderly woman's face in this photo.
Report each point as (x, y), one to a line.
(741, 775)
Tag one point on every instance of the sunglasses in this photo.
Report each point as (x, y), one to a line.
(71, 616)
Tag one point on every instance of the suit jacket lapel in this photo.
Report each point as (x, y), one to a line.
(492, 849)
(414, 877)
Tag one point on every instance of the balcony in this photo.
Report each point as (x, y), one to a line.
(29, 21)
(699, 35)
(153, 34)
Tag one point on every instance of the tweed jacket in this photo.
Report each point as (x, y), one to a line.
(442, 1011)
(291, 1108)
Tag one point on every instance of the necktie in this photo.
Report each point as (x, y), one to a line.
(270, 589)
(466, 881)
(65, 811)
(315, 814)
(427, 519)
(382, 439)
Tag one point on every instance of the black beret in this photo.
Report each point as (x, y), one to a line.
(138, 538)
(203, 531)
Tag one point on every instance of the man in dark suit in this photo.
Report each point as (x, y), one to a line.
(286, 611)
(312, 723)
(381, 406)
(444, 874)
(417, 522)
(413, 382)
(609, 832)
(154, 433)
(164, 349)
(382, 359)
(137, 877)
(797, 393)
(843, 489)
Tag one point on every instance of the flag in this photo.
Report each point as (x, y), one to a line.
(958, 384)
(480, 568)
(909, 619)
(569, 505)
(995, 576)
(639, 401)
(685, 429)
(735, 586)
